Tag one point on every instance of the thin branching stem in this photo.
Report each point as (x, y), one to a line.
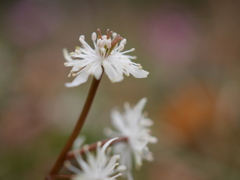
(91, 147)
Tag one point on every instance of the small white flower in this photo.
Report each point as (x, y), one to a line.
(107, 55)
(101, 166)
(135, 126)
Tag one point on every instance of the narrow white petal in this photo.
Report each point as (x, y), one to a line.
(117, 121)
(111, 164)
(66, 55)
(111, 72)
(139, 73)
(107, 144)
(98, 72)
(91, 160)
(114, 177)
(121, 168)
(84, 166)
(138, 160)
(78, 142)
(129, 175)
(68, 165)
(140, 105)
(110, 133)
(72, 63)
(80, 79)
(153, 140)
(146, 122)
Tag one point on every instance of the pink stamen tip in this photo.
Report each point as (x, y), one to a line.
(99, 33)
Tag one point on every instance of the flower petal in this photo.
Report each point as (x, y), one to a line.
(112, 73)
(139, 73)
(140, 105)
(80, 79)
(98, 72)
(117, 120)
(66, 55)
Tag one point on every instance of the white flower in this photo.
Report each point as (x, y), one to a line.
(107, 55)
(135, 126)
(101, 166)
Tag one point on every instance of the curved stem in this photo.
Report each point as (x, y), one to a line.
(62, 156)
(92, 147)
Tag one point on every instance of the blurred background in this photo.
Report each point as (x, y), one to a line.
(191, 49)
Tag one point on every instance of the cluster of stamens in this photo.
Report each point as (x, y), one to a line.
(106, 43)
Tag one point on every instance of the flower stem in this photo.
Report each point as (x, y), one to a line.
(62, 156)
(92, 147)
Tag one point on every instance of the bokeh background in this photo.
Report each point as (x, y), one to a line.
(191, 49)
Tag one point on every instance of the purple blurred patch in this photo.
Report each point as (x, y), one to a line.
(170, 34)
(28, 23)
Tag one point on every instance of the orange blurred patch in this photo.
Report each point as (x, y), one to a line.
(190, 112)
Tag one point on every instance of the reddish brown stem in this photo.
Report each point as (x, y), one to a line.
(92, 147)
(58, 164)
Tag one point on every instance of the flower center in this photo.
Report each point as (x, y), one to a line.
(109, 42)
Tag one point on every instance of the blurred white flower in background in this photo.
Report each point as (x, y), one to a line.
(107, 56)
(101, 166)
(135, 126)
